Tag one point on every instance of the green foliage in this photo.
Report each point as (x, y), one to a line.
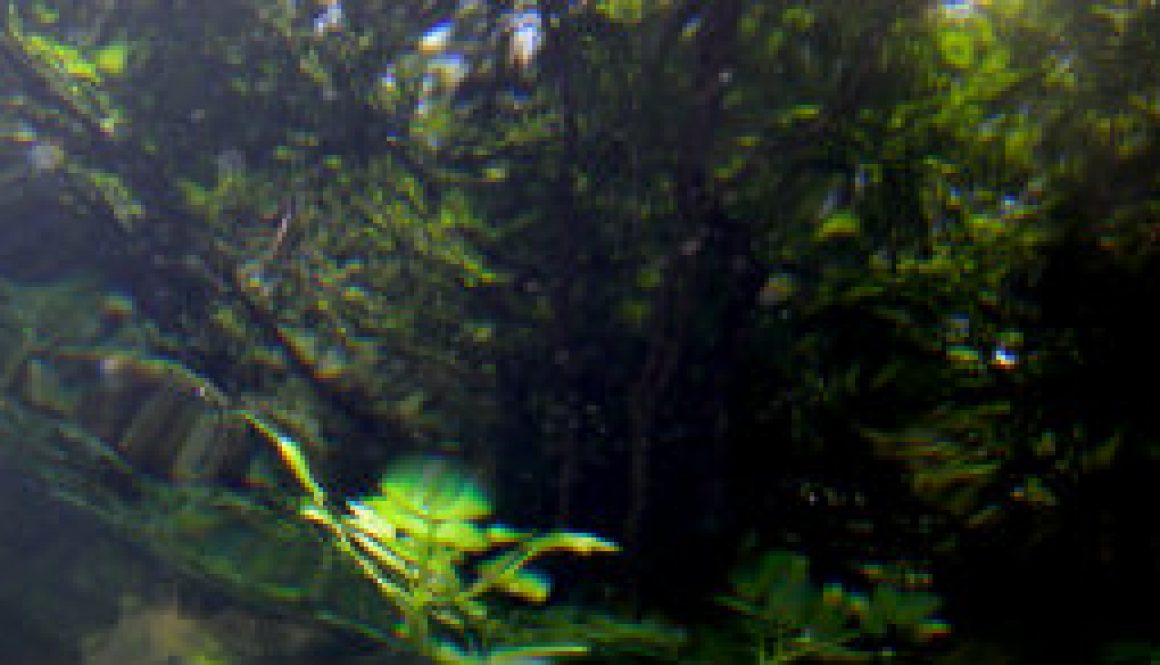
(785, 617)
(709, 224)
(1129, 652)
(370, 282)
(627, 11)
(611, 638)
(75, 75)
(68, 107)
(423, 542)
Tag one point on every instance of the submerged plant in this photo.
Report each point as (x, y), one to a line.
(424, 541)
(787, 618)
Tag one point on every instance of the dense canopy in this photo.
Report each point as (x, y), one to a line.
(827, 314)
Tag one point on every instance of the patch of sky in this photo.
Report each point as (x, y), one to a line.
(389, 79)
(691, 28)
(959, 9)
(446, 70)
(423, 106)
(330, 19)
(1007, 351)
(437, 37)
(1004, 357)
(527, 35)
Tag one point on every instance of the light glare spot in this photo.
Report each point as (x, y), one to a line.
(1004, 358)
(959, 9)
(43, 156)
(330, 20)
(527, 36)
(436, 39)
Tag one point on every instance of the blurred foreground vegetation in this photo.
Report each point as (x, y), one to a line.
(727, 283)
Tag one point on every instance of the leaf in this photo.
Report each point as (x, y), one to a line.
(580, 543)
(525, 655)
(500, 534)
(529, 585)
(840, 224)
(373, 523)
(1102, 456)
(111, 59)
(462, 536)
(384, 555)
(435, 490)
(890, 606)
(290, 452)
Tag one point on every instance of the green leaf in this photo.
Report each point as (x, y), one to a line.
(291, 454)
(524, 655)
(529, 585)
(435, 490)
(462, 536)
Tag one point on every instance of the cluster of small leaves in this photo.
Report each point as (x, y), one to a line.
(62, 110)
(786, 617)
(367, 279)
(932, 240)
(361, 291)
(611, 637)
(423, 541)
